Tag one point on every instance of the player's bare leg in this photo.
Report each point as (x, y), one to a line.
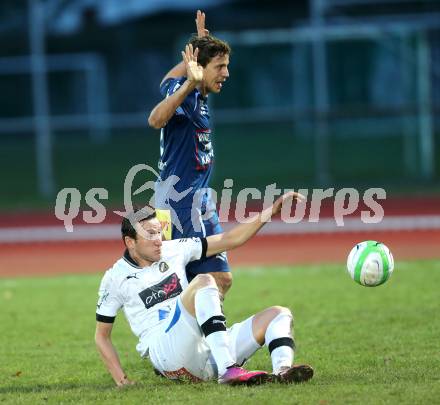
(223, 281)
(273, 327)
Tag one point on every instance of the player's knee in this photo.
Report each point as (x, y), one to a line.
(204, 280)
(278, 310)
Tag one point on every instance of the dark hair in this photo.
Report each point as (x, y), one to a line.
(132, 218)
(209, 47)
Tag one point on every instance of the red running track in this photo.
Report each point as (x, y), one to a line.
(91, 257)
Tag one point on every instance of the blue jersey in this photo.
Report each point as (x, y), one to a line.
(186, 151)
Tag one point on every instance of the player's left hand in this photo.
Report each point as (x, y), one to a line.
(200, 24)
(286, 198)
(194, 71)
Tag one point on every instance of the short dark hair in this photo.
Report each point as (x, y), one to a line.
(133, 217)
(209, 47)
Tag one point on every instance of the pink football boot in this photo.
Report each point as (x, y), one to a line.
(239, 376)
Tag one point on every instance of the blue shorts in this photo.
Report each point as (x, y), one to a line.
(201, 229)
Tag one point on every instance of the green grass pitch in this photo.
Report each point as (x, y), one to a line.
(367, 345)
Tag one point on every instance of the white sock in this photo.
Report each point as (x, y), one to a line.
(213, 323)
(278, 338)
(243, 343)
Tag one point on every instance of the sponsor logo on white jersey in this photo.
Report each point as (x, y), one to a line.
(166, 289)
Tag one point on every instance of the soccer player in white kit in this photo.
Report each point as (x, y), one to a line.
(180, 326)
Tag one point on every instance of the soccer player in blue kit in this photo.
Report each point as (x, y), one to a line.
(186, 146)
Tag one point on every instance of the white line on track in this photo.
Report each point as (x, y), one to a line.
(325, 225)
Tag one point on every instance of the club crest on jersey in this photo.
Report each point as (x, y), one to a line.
(168, 288)
(163, 267)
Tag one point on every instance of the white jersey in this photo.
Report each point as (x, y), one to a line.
(146, 294)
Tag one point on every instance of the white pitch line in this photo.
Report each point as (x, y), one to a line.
(326, 225)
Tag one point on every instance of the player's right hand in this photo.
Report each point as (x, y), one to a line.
(200, 24)
(124, 382)
(194, 72)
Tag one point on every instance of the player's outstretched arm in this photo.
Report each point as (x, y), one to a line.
(240, 234)
(180, 70)
(109, 354)
(166, 108)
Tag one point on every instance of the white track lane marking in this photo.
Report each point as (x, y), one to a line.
(325, 225)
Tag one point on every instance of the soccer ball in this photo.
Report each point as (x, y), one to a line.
(370, 263)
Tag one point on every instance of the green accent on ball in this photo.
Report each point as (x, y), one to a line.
(385, 264)
(371, 247)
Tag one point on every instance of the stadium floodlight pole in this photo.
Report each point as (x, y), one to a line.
(425, 108)
(46, 186)
(97, 99)
(407, 121)
(320, 90)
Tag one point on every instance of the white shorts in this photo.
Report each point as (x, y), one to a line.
(179, 350)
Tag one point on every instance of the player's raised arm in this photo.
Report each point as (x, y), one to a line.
(166, 108)
(180, 69)
(109, 354)
(238, 235)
